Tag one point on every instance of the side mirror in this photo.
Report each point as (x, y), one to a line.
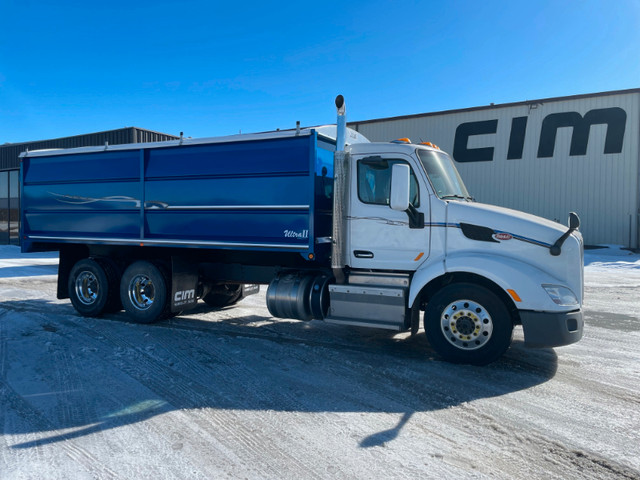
(574, 221)
(574, 224)
(400, 187)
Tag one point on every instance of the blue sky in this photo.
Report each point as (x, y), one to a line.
(213, 68)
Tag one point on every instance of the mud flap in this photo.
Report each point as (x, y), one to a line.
(184, 284)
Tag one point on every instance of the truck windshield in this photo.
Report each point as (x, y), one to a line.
(443, 175)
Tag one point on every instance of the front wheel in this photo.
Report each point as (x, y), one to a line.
(466, 323)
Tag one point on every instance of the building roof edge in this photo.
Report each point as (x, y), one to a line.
(492, 106)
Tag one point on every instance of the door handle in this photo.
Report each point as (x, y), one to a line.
(362, 254)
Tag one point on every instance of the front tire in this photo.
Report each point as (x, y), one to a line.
(143, 292)
(467, 323)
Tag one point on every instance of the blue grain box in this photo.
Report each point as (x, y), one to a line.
(268, 192)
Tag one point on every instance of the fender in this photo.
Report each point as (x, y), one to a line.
(508, 273)
(428, 271)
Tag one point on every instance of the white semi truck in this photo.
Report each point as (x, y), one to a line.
(341, 229)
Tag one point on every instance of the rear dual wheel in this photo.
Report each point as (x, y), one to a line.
(93, 287)
(144, 292)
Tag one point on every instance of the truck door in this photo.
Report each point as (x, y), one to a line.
(380, 238)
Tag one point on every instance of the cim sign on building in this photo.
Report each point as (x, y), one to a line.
(547, 157)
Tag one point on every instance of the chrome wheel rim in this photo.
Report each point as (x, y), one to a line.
(466, 325)
(87, 288)
(141, 292)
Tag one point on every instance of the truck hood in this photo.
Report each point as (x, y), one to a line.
(486, 230)
(520, 225)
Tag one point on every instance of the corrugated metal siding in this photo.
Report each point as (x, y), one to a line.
(9, 153)
(147, 136)
(602, 188)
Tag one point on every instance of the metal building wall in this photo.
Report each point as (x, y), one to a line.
(603, 188)
(9, 207)
(9, 153)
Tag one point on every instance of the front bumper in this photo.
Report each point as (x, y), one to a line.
(551, 329)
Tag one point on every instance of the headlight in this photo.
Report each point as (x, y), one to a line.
(561, 295)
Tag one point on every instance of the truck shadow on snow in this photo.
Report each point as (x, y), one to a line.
(67, 377)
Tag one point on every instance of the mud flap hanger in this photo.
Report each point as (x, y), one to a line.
(574, 224)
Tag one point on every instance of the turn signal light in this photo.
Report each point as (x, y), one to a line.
(514, 295)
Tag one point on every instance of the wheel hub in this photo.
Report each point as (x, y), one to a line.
(141, 292)
(466, 324)
(87, 288)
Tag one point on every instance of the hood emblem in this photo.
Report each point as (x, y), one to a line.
(503, 236)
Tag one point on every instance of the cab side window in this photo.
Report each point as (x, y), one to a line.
(374, 182)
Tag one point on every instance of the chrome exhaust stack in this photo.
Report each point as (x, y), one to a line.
(340, 195)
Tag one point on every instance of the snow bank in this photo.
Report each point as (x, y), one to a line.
(14, 264)
(611, 258)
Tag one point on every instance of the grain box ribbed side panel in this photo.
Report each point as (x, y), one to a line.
(254, 195)
(601, 187)
(10, 159)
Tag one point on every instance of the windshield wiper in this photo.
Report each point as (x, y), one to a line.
(456, 196)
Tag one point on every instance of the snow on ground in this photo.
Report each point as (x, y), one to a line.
(616, 271)
(610, 259)
(234, 393)
(15, 264)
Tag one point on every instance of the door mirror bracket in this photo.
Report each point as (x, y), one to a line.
(416, 218)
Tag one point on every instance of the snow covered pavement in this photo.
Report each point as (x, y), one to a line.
(235, 393)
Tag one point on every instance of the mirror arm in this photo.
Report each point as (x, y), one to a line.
(416, 218)
(574, 224)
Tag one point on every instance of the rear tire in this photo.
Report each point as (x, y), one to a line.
(144, 293)
(223, 296)
(91, 288)
(467, 323)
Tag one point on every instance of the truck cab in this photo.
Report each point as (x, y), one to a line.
(413, 232)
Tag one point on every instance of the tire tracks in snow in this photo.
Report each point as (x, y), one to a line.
(394, 381)
(184, 391)
(555, 452)
(188, 392)
(181, 391)
(11, 399)
(560, 460)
